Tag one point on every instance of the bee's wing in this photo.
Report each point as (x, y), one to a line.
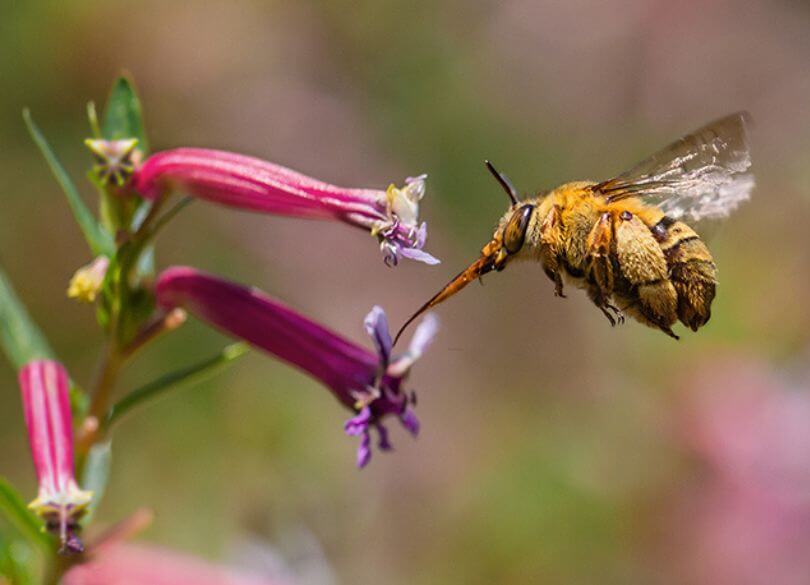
(703, 176)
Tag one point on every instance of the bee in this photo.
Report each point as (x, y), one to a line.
(630, 242)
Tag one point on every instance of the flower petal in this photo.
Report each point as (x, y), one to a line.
(410, 422)
(357, 425)
(422, 338)
(419, 256)
(376, 324)
(364, 450)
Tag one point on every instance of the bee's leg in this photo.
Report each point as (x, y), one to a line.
(599, 269)
(551, 249)
(644, 266)
(556, 278)
(613, 314)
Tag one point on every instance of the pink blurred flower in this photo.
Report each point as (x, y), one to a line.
(369, 383)
(46, 406)
(141, 565)
(235, 180)
(749, 521)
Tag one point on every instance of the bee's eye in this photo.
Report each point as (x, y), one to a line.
(514, 233)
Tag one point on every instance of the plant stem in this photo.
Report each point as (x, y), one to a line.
(110, 366)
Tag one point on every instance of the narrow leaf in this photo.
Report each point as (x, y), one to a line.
(95, 476)
(99, 240)
(92, 118)
(176, 379)
(123, 117)
(17, 513)
(20, 337)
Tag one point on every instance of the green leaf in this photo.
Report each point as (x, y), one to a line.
(95, 476)
(20, 517)
(100, 241)
(20, 337)
(17, 561)
(176, 379)
(22, 340)
(123, 117)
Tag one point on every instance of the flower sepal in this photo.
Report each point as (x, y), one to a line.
(61, 513)
(115, 159)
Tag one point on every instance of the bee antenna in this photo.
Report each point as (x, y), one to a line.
(504, 182)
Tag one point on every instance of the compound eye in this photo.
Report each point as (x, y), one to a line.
(514, 234)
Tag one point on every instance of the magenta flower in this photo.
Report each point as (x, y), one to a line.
(366, 382)
(235, 180)
(46, 406)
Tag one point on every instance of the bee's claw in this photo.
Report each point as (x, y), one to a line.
(617, 312)
(610, 318)
(613, 313)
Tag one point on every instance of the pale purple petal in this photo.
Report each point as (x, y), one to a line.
(376, 324)
(419, 256)
(422, 338)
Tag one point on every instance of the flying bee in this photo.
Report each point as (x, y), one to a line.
(630, 241)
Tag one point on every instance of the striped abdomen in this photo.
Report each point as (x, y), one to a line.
(691, 270)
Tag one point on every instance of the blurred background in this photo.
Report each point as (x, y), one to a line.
(554, 449)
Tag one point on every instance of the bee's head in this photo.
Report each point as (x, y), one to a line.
(506, 243)
(509, 236)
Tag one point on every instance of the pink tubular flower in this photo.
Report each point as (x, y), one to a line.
(130, 564)
(369, 383)
(235, 180)
(46, 406)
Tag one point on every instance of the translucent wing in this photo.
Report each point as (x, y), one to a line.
(703, 176)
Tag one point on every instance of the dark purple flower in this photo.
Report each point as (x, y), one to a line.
(235, 180)
(46, 406)
(369, 383)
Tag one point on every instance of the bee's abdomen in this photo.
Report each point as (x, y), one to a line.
(691, 270)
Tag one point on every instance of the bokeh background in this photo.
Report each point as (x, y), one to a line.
(554, 448)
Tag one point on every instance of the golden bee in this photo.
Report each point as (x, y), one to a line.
(630, 241)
